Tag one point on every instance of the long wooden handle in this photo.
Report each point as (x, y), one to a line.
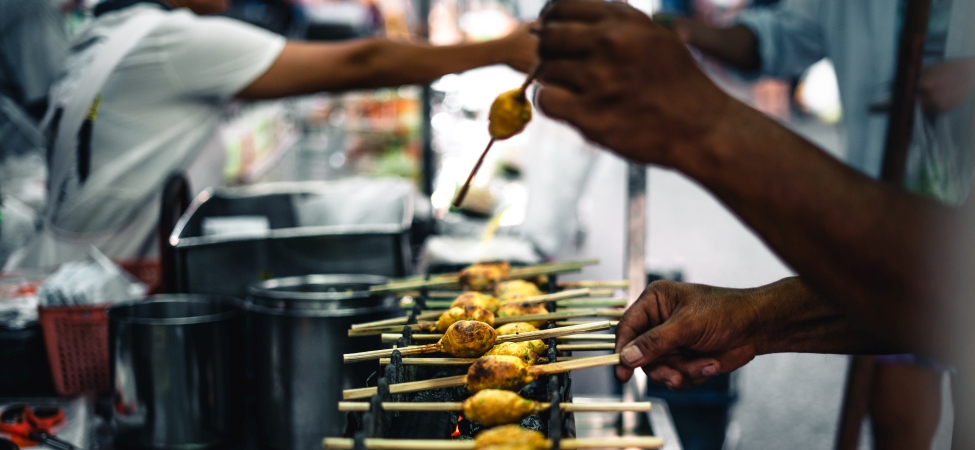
(572, 293)
(576, 364)
(413, 386)
(611, 313)
(397, 320)
(431, 444)
(459, 406)
(387, 353)
(552, 332)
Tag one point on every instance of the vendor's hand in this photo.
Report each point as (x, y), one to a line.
(945, 86)
(681, 333)
(678, 24)
(624, 81)
(521, 48)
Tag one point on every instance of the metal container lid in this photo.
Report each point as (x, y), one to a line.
(319, 295)
(175, 310)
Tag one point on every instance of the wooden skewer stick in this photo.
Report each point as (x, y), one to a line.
(607, 313)
(459, 199)
(393, 337)
(452, 279)
(461, 380)
(567, 314)
(397, 320)
(436, 347)
(573, 293)
(459, 406)
(569, 323)
(459, 361)
(592, 303)
(648, 442)
(586, 347)
(601, 292)
(621, 284)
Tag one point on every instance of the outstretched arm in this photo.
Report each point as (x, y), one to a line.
(682, 333)
(305, 67)
(630, 85)
(736, 46)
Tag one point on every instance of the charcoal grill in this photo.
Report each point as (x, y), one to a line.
(378, 423)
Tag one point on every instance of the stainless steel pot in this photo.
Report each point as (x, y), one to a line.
(176, 364)
(299, 328)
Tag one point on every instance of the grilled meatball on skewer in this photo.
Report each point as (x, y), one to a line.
(484, 277)
(457, 313)
(476, 299)
(516, 289)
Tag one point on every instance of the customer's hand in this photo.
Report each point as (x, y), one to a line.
(624, 81)
(681, 333)
(945, 86)
(521, 48)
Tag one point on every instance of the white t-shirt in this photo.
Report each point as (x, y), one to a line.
(160, 109)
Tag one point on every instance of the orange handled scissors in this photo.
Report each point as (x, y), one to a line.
(28, 425)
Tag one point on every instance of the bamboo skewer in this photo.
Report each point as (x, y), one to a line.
(572, 293)
(461, 380)
(393, 337)
(459, 406)
(515, 273)
(397, 320)
(647, 442)
(567, 314)
(586, 347)
(569, 323)
(592, 303)
(620, 284)
(459, 361)
(436, 347)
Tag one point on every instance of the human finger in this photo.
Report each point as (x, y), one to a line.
(577, 11)
(623, 373)
(558, 102)
(656, 342)
(567, 40)
(570, 75)
(665, 375)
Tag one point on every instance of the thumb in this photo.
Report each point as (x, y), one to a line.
(658, 341)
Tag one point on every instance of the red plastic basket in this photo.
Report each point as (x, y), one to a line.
(76, 338)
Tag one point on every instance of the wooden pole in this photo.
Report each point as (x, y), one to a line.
(900, 125)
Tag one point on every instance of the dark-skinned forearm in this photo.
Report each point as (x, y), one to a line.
(855, 241)
(736, 46)
(304, 67)
(796, 319)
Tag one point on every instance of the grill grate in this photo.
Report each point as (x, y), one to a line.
(448, 425)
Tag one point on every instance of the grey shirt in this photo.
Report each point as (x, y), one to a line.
(33, 48)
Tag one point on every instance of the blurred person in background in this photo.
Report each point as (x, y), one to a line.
(880, 270)
(158, 103)
(860, 38)
(33, 45)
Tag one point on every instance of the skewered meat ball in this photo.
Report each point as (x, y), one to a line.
(510, 437)
(515, 328)
(524, 350)
(509, 114)
(468, 338)
(484, 277)
(498, 372)
(516, 289)
(523, 309)
(478, 299)
(457, 313)
(496, 407)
